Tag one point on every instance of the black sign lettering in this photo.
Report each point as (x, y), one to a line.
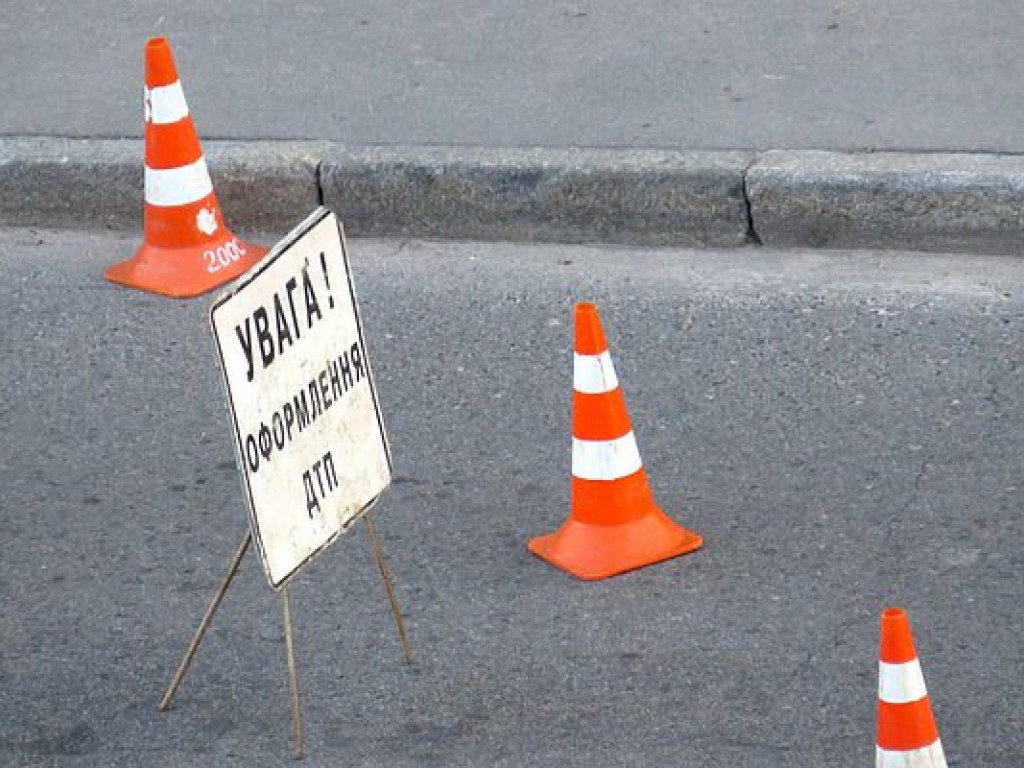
(271, 330)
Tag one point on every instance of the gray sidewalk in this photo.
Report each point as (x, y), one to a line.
(799, 124)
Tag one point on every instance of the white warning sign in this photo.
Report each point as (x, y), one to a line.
(309, 432)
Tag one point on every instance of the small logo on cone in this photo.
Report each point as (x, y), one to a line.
(206, 221)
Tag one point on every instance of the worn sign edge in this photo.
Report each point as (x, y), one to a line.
(275, 253)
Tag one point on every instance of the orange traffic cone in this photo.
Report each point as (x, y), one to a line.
(187, 250)
(907, 736)
(614, 524)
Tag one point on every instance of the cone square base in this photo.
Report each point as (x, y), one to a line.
(182, 273)
(592, 551)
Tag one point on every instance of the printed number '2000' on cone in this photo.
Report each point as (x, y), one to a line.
(614, 524)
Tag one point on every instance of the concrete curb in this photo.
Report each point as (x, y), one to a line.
(97, 183)
(560, 195)
(893, 200)
(935, 202)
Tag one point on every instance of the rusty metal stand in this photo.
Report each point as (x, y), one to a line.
(197, 638)
(389, 586)
(298, 740)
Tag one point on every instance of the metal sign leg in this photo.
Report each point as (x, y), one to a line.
(293, 679)
(165, 703)
(385, 575)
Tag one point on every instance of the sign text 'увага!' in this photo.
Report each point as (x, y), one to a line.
(291, 314)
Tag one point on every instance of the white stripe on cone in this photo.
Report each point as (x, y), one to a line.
(931, 756)
(165, 104)
(900, 683)
(593, 374)
(170, 187)
(605, 459)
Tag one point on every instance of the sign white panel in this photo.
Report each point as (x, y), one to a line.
(309, 432)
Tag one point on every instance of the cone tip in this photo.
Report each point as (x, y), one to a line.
(160, 69)
(590, 338)
(897, 644)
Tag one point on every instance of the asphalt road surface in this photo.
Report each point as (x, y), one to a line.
(844, 430)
